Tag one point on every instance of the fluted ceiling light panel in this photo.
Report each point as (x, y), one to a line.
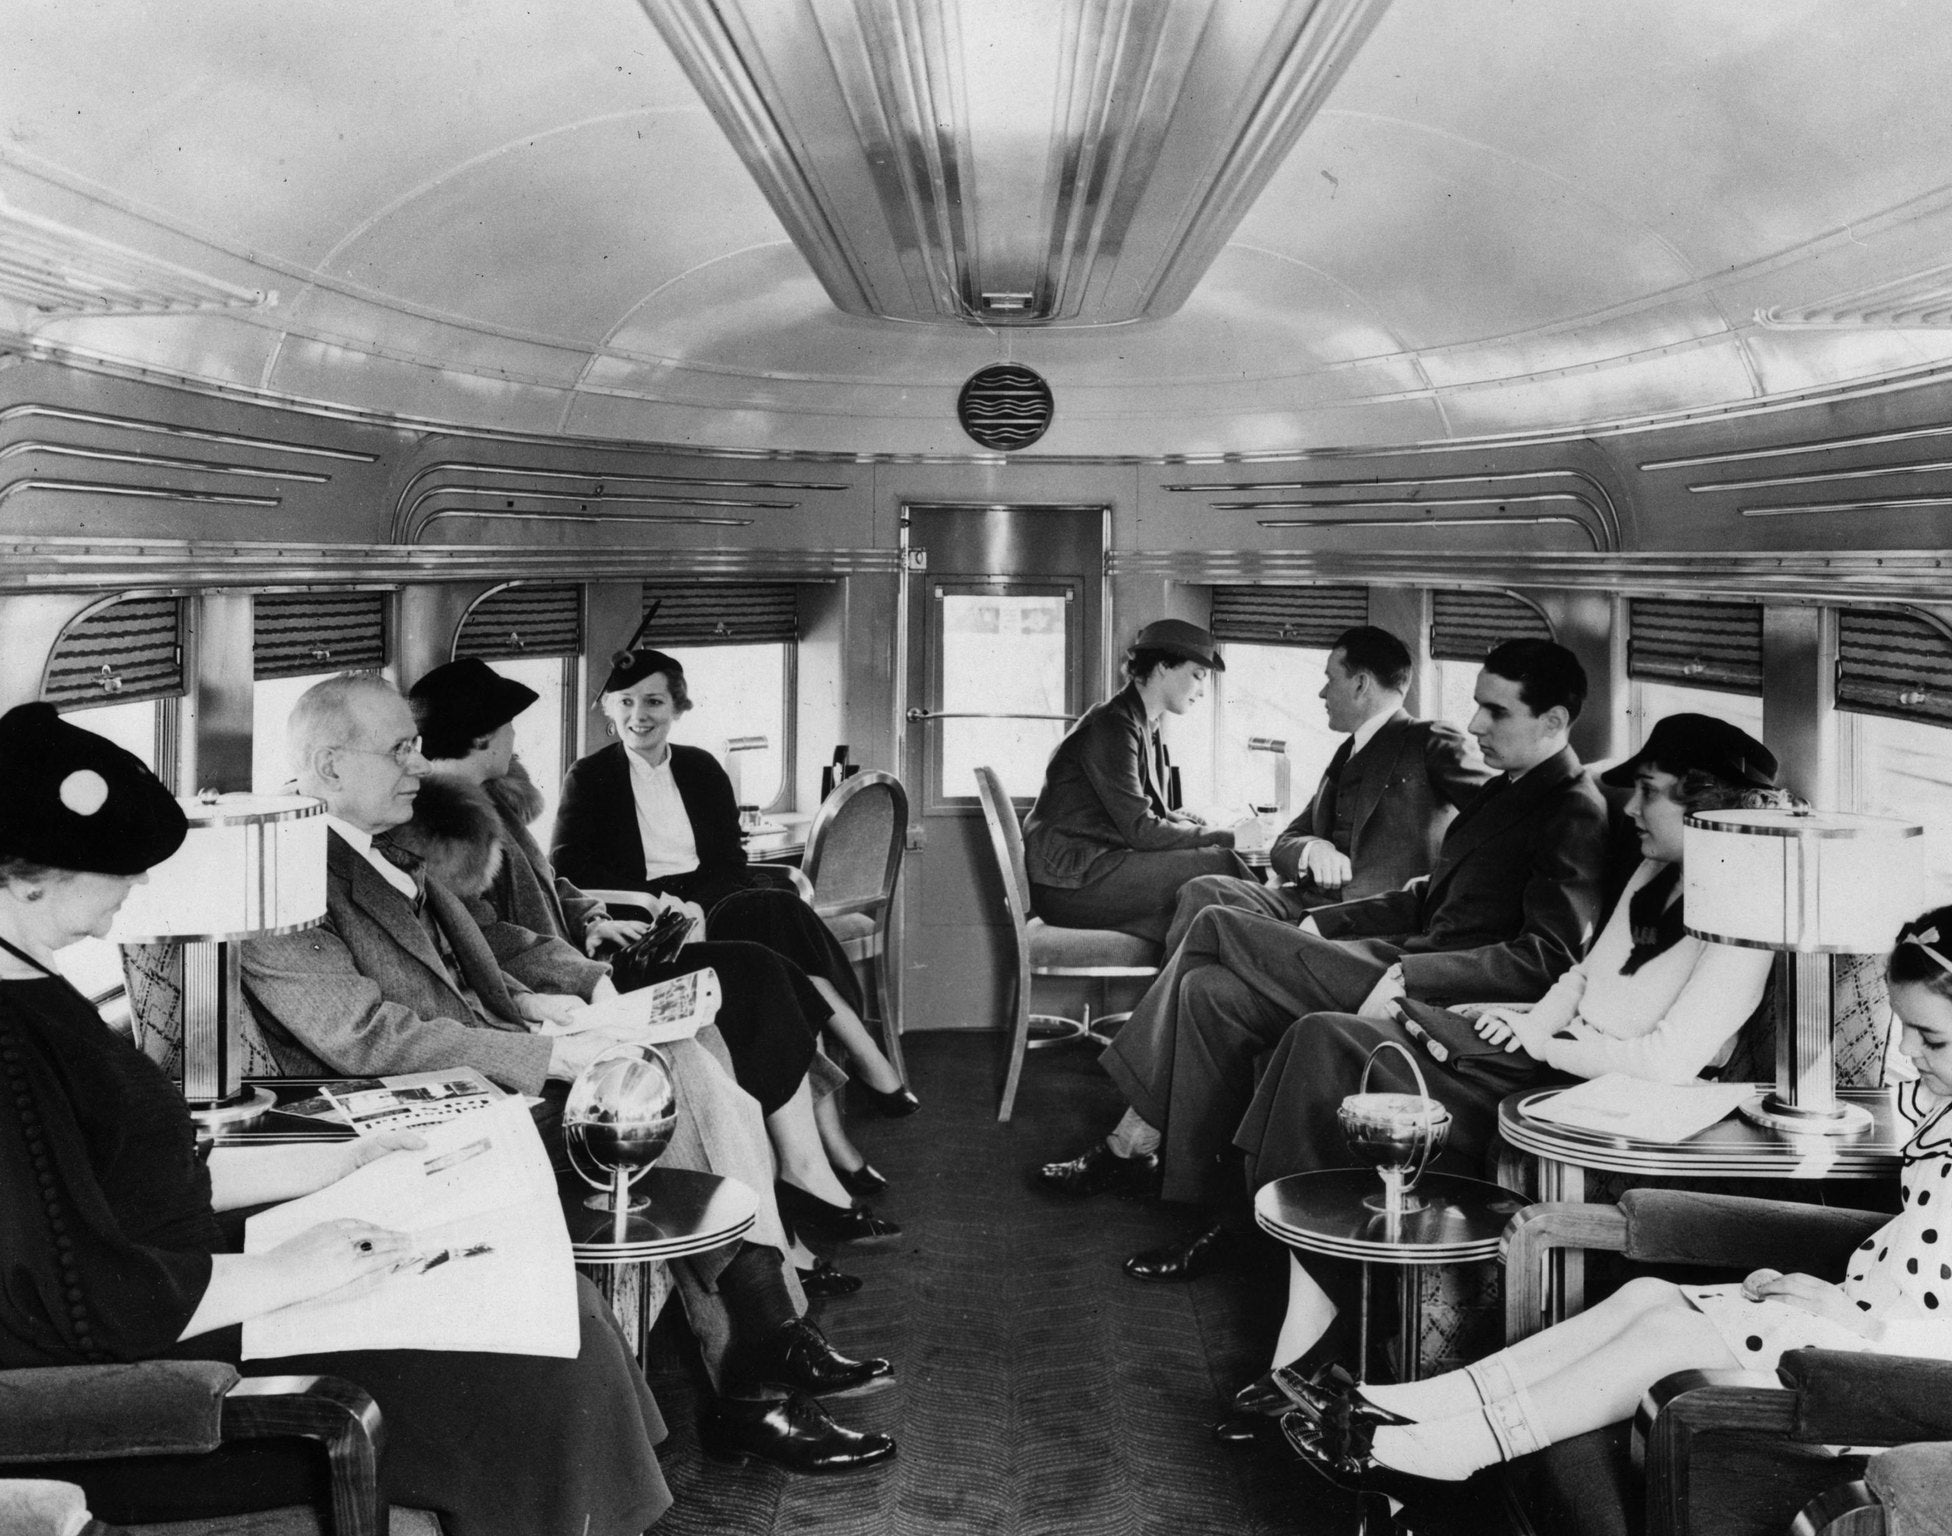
(1013, 161)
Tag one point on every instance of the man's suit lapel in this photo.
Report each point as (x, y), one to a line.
(471, 952)
(1368, 772)
(368, 890)
(1485, 820)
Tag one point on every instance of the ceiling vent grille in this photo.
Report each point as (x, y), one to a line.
(1005, 406)
(56, 270)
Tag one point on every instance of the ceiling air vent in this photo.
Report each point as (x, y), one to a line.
(1005, 406)
(57, 270)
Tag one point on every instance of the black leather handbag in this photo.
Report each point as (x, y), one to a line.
(644, 959)
(1451, 1040)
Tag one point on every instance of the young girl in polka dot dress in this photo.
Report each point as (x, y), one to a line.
(1589, 1371)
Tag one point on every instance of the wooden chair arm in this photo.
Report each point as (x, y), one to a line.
(1529, 1240)
(344, 1421)
(1687, 1405)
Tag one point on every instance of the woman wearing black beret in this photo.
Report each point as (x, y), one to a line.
(110, 1248)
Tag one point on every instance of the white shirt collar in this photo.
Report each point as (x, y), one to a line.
(362, 843)
(1365, 733)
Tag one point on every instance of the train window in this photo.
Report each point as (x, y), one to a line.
(739, 693)
(298, 639)
(136, 728)
(1001, 652)
(1456, 701)
(1269, 691)
(534, 634)
(541, 731)
(1894, 699)
(1654, 701)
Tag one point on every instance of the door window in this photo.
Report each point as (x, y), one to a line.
(1002, 650)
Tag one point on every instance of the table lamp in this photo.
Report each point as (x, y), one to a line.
(735, 771)
(1812, 884)
(1283, 769)
(252, 865)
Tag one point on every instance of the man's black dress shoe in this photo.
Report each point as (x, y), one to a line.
(797, 1355)
(793, 1432)
(889, 1103)
(842, 1223)
(1098, 1169)
(1190, 1257)
(862, 1181)
(825, 1282)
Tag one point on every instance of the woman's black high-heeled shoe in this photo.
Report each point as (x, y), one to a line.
(890, 1104)
(1351, 1465)
(1274, 1392)
(1331, 1397)
(863, 1181)
(842, 1223)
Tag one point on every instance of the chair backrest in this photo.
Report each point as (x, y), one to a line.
(1006, 842)
(854, 846)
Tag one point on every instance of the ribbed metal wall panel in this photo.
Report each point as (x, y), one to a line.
(116, 655)
(1705, 645)
(294, 634)
(1300, 616)
(1893, 663)
(1464, 625)
(523, 621)
(740, 614)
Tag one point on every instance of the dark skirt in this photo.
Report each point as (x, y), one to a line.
(742, 905)
(769, 1013)
(498, 1445)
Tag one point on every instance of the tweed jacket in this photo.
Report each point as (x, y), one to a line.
(1512, 901)
(366, 993)
(595, 842)
(528, 893)
(1104, 793)
(1401, 790)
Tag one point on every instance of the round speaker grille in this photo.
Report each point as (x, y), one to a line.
(1005, 406)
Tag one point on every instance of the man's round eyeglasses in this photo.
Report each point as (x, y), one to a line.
(401, 751)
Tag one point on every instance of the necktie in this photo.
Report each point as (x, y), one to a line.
(409, 863)
(1331, 791)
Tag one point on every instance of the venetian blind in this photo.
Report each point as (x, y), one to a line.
(523, 621)
(736, 614)
(1301, 616)
(1705, 645)
(1465, 625)
(1893, 663)
(294, 634)
(127, 651)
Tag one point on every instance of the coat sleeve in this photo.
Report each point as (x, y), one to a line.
(1454, 772)
(588, 823)
(541, 962)
(1109, 760)
(307, 984)
(1560, 907)
(74, 1287)
(1388, 914)
(579, 909)
(1286, 853)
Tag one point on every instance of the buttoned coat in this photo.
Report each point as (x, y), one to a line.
(366, 994)
(1513, 900)
(596, 845)
(1402, 789)
(1103, 794)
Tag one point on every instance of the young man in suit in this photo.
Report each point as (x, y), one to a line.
(1512, 903)
(401, 977)
(1378, 816)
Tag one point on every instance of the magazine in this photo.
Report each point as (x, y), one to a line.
(667, 1010)
(411, 1100)
(490, 1267)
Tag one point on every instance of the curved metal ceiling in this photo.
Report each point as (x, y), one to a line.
(1509, 216)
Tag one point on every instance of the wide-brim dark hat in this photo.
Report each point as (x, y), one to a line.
(71, 799)
(468, 698)
(1178, 638)
(1680, 742)
(628, 668)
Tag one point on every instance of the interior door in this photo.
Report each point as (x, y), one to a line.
(1003, 612)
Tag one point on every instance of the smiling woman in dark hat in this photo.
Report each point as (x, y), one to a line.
(107, 1211)
(1101, 846)
(647, 813)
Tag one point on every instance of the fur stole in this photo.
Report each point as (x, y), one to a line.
(457, 832)
(516, 793)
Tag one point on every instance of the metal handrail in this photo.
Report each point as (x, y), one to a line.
(916, 712)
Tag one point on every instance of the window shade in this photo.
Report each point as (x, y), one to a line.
(1705, 645)
(294, 634)
(127, 651)
(1465, 625)
(523, 621)
(1893, 663)
(729, 615)
(1302, 616)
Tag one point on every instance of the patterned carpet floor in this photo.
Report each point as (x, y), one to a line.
(1038, 1390)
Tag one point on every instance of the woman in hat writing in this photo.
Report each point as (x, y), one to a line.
(112, 1248)
(1101, 846)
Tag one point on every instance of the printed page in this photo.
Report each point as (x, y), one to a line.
(1618, 1105)
(671, 1010)
(413, 1100)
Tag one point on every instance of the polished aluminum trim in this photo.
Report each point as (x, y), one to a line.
(219, 816)
(1433, 522)
(1869, 504)
(228, 938)
(140, 492)
(1814, 445)
(1880, 828)
(160, 461)
(169, 429)
(917, 713)
(662, 518)
(1820, 476)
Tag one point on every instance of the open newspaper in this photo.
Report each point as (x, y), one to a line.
(667, 1010)
(490, 1268)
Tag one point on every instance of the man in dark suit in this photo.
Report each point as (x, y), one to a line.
(1378, 816)
(1511, 904)
(402, 977)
